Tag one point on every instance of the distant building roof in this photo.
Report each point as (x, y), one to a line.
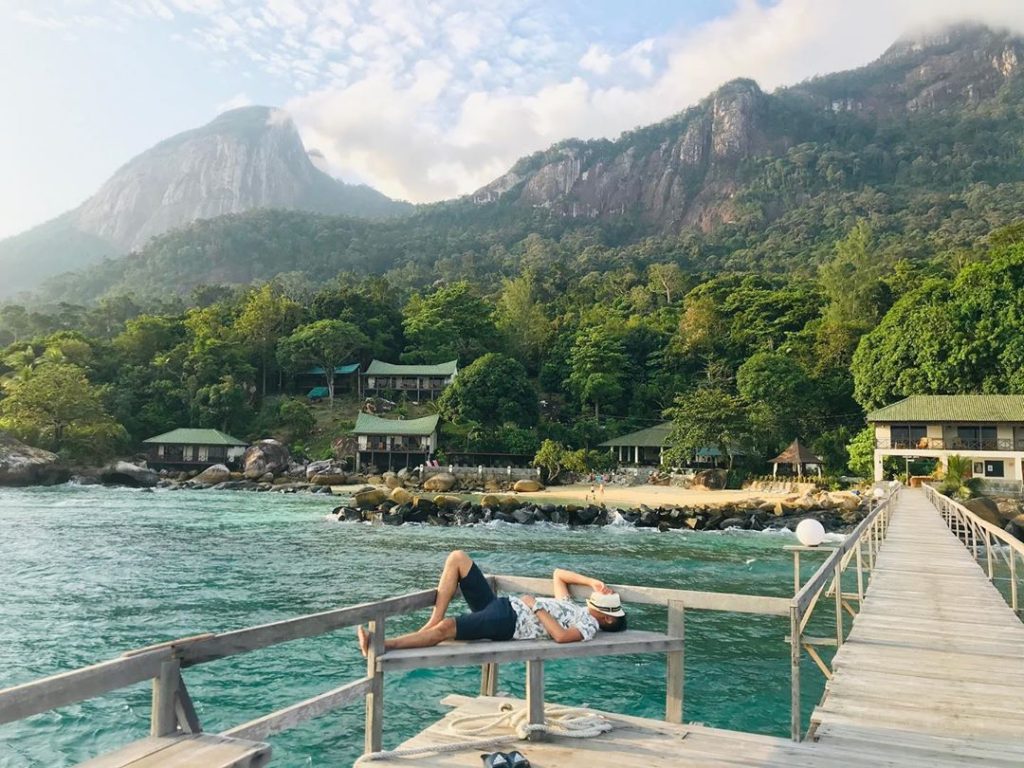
(368, 424)
(380, 368)
(657, 437)
(651, 437)
(796, 453)
(186, 436)
(933, 408)
(318, 370)
(316, 392)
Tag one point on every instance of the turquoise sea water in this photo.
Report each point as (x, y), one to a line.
(87, 573)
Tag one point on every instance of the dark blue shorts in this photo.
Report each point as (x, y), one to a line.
(492, 617)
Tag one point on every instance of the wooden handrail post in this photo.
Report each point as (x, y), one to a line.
(838, 583)
(988, 555)
(1013, 580)
(373, 737)
(675, 679)
(796, 572)
(794, 672)
(163, 720)
(860, 576)
(535, 695)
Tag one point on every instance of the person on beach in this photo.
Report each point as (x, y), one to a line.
(510, 618)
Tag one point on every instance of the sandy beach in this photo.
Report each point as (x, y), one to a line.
(651, 495)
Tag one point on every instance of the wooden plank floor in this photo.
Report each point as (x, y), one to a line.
(932, 674)
(935, 659)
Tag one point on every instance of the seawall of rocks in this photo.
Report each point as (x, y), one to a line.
(836, 512)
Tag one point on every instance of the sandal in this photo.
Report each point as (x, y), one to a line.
(512, 759)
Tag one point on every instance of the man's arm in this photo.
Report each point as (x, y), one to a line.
(557, 632)
(561, 579)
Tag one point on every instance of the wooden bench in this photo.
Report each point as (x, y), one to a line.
(198, 750)
(535, 653)
(463, 654)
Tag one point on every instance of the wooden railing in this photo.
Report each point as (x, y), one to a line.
(173, 712)
(860, 546)
(970, 528)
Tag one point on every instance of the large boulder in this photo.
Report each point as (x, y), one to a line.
(447, 502)
(213, 475)
(391, 480)
(328, 478)
(400, 496)
(265, 456)
(527, 486)
(22, 464)
(443, 482)
(318, 467)
(131, 475)
(712, 479)
(987, 509)
(369, 499)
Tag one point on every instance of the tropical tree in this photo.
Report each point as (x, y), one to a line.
(450, 323)
(957, 479)
(598, 367)
(522, 320)
(492, 390)
(266, 316)
(59, 409)
(707, 416)
(325, 343)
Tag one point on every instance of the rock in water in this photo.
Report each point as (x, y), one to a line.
(123, 473)
(527, 486)
(400, 496)
(22, 464)
(369, 499)
(218, 473)
(443, 482)
(265, 456)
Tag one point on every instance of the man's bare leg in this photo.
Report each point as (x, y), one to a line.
(443, 630)
(456, 567)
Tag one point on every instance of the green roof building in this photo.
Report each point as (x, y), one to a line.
(987, 429)
(646, 447)
(390, 443)
(187, 448)
(417, 381)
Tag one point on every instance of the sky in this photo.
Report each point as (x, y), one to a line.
(422, 100)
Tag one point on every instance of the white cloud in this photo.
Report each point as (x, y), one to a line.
(412, 140)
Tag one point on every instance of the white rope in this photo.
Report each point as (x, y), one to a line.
(567, 722)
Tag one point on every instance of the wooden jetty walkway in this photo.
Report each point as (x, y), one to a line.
(930, 671)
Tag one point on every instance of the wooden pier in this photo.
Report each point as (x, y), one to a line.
(928, 672)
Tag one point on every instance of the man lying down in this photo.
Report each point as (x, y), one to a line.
(510, 618)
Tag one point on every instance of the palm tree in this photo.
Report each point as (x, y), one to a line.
(957, 480)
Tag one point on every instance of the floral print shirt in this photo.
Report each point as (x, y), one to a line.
(567, 613)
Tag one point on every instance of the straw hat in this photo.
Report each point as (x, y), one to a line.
(608, 604)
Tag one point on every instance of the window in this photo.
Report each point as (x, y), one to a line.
(174, 452)
(976, 438)
(907, 435)
(994, 469)
(979, 469)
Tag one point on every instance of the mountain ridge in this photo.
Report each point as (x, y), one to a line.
(244, 159)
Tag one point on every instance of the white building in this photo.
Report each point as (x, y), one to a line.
(987, 429)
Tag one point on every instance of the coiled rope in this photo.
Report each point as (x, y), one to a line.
(568, 722)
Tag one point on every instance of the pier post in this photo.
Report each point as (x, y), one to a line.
(489, 679)
(163, 719)
(674, 672)
(535, 695)
(375, 696)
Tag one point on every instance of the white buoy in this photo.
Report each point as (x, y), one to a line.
(810, 533)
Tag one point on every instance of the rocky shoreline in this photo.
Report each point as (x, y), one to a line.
(835, 511)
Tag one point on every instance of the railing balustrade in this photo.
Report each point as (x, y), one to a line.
(954, 444)
(980, 538)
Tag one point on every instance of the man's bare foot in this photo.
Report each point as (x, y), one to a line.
(364, 640)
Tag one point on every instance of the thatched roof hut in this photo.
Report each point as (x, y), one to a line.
(797, 456)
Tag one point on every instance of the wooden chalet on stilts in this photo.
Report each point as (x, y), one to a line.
(394, 443)
(416, 381)
(193, 449)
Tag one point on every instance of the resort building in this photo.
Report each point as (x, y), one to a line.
(313, 380)
(646, 448)
(987, 429)
(417, 381)
(394, 443)
(798, 459)
(193, 449)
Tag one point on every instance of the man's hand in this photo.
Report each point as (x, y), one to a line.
(600, 587)
(529, 601)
